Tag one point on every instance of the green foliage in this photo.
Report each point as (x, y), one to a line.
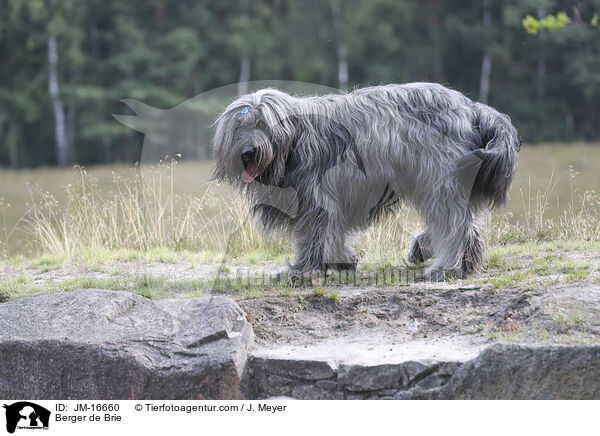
(531, 24)
(549, 22)
(164, 53)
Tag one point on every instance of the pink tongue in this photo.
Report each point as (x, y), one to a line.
(250, 172)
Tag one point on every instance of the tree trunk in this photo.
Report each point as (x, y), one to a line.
(342, 52)
(159, 12)
(59, 114)
(244, 74)
(245, 62)
(436, 15)
(541, 64)
(541, 74)
(486, 62)
(70, 123)
(342, 66)
(597, 127)
(12, 144)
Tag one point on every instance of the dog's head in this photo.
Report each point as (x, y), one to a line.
(253, 138)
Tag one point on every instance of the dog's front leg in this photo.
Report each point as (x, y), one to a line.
(320, 242)
(336, 255)
(310, 233)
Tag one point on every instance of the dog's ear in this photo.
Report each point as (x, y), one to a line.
(331, 143)
(285, 132)
(283, 136)
(343, 145)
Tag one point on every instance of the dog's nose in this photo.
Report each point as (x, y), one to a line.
(248, 154)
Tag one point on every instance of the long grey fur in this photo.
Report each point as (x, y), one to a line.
(351, 157)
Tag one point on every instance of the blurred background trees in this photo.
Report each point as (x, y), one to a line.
(65, 64)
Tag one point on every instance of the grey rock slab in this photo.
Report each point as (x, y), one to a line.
(96, 344)
(363, 378)
(510, 372)
(500, 371)
(99, 344)
(361, 368)
(267, 377)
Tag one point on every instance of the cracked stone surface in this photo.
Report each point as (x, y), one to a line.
(98, 344)
(116, 345)
(500, 371)
(521, 372)
(280, 378)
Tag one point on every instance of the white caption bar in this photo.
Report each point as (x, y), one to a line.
(309, 417)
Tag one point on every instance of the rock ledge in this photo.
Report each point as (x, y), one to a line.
(98, 344)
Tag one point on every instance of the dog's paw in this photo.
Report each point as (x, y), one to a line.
(440, 275)
(296, 277)
(420, 250)
(290, 275)
(435, 276)
(414, 255)
(349, 265)
(345, 261)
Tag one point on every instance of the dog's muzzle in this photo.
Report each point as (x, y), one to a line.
(249, 161)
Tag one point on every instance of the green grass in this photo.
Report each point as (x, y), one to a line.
(568, 319)
(512, 279)
(147, 285)
(14, 288)
(546, 264)
(534, 265)
(49, 261)
(286, 291)
(319, 291)
(525, 266)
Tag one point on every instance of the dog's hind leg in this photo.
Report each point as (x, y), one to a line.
(453, 233)
(473, 249)
(457, 245)
(421, 250)
(448, 248)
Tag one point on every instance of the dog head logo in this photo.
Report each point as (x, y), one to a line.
(26, 415)
(183, 129)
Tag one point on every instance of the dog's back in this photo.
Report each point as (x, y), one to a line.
(432, 120)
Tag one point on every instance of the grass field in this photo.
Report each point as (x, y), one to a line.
(61, 211)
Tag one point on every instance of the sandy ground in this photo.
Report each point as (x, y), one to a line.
(358, 320)
(563, 313)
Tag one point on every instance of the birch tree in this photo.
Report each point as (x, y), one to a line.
(60, 135)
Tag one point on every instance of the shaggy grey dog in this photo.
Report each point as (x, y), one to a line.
(350, 158)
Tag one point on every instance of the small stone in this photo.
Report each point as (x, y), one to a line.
(358, 378)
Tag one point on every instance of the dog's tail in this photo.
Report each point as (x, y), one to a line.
(497, 159)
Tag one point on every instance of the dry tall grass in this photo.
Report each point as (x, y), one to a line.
(578, 219)
(143, 211)
(140, 211)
